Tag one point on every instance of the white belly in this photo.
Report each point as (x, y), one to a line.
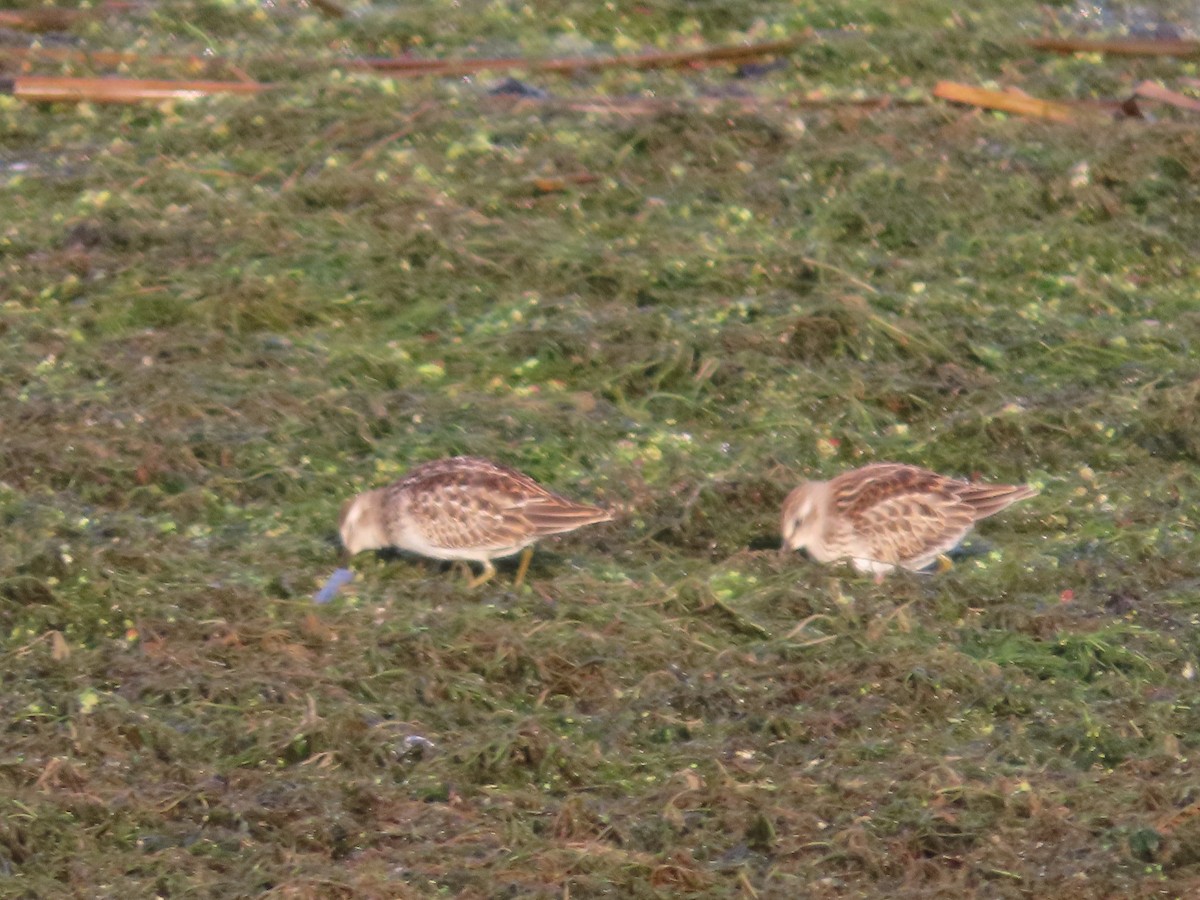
(415, 542)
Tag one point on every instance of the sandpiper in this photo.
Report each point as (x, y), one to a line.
(465, 509)
(889, 515)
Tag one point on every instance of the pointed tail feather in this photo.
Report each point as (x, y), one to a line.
(989, 499)
(554, 518)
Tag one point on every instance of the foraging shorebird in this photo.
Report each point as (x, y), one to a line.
(888, 515)
(462, 509)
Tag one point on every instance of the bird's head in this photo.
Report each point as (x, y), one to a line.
(361, 523)
(801, 515)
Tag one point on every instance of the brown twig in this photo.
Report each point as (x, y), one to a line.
(1169, 824)
(551, 184)
(239, 72)
(1117, 47)
(1004, 101)
(53, 19)
(47, 19)
(567, 65)
(403, 67)
(1150, 90)
(54, 89)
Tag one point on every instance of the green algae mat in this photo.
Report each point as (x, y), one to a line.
(676, 292)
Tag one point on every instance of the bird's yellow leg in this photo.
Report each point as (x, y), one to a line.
(945, 564)
(463, 568)
(483, 577)
(526, 556)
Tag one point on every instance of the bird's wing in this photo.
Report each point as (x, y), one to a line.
(909, 529)
(905, 515)
(456, 517)
(470, 503)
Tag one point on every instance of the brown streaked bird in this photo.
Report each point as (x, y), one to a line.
(889, 515)
(464, 509)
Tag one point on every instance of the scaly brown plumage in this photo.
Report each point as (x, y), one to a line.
(889, 515)
(464, 508)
